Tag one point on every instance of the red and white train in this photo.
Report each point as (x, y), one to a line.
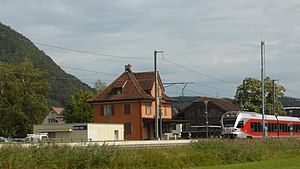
(241, 124)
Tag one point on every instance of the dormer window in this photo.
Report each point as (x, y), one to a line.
(116, 91)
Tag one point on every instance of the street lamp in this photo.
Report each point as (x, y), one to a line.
(206, 117)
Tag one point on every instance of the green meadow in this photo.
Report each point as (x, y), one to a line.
(207, 153)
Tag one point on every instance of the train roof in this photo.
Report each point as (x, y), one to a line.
(255, 115)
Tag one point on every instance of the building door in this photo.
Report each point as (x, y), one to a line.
(149, 131)
(51, 135)
(116, 135)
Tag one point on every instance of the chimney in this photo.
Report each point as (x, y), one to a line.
(128, 68)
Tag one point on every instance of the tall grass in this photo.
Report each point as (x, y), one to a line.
(200, 153)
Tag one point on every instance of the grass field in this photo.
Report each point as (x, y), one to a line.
(220, 153)
(283, 163)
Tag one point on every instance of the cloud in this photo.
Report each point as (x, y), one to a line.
(215, 38)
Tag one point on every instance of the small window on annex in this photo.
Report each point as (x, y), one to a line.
(127, 128)
(148, 109)
(127, 109)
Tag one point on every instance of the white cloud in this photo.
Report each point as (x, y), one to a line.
(215, 38)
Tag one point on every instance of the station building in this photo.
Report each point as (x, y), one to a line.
(82, 131)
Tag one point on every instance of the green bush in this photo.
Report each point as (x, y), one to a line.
(201, 153)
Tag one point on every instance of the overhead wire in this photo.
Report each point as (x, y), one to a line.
(91, 53)
(201, 74)
(143, 58)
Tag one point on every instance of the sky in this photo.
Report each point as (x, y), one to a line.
(210, 44)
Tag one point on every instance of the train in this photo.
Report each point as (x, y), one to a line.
(244, 124)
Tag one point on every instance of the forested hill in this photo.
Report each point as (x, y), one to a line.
(14, 47)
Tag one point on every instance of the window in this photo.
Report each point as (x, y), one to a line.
(272, 127)
(256, 127)
(127, 109)
(116, 91)
(148, 109)
(166, 129)
(240, 125)
(127, 128)
(284, 128)
(107, 110)
(229, 121)
(44, 138)
(165, 112)
(296, 127)
(52, 120)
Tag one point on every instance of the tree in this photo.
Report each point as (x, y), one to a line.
(23, 102)
(77, 109)
(99, 86)
(248, 96)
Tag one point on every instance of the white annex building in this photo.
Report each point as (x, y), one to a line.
(82, 131)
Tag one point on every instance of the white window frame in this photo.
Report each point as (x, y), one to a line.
(107, 110)
(148, 109)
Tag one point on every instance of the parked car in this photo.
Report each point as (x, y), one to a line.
(37, 137)
(3, 139)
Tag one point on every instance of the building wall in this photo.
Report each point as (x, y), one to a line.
(119, 117)
(105, 132)
(53, 118)
(80, 131)
(196, 114)
(138, 113)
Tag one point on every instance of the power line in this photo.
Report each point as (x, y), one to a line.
(293, 92)
(188, 69)
(126, 57)
(68, 67)
(190, 91)
(90, 53)
(228, 91)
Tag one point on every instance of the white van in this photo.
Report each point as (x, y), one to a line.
(37, 137)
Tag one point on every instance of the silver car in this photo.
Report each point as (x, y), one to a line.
(3, 139)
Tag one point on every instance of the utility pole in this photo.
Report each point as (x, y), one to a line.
(274, 101)
(206, 117)
(262, 48)
(156, 95)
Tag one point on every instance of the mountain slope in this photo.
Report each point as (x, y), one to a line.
(14, 47)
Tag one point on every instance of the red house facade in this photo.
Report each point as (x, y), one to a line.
(129, 100)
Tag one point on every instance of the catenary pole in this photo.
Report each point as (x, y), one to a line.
(263, 89)
(156, 95)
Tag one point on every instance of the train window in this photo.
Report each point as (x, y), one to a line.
(256, 127)
(240, 125)
(271, 127)
(284, 128)
(229, 121)
(296, 128)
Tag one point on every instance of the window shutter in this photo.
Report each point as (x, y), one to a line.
(101, 110)
(112, 110)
